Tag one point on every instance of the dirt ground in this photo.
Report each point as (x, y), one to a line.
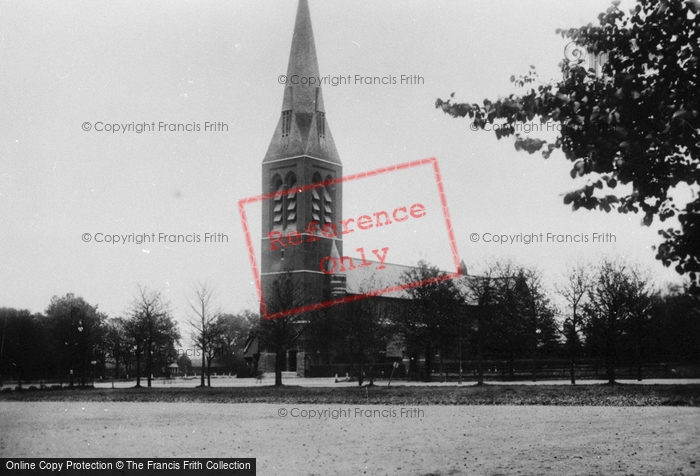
(427, 440)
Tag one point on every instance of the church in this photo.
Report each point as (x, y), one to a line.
(302, 152)
(302, 217)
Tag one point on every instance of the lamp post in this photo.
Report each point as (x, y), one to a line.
(534, 354)
(73, 310)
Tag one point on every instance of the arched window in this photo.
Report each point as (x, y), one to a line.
(291, 200)
(316, 199)
(328, 199)
(277, 204)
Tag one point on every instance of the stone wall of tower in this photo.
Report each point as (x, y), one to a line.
(303, 261)
(303, 144)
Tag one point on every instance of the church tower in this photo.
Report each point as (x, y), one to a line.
(301, 152)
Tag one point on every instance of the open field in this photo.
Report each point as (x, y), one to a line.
(585, 395)
(360, 439)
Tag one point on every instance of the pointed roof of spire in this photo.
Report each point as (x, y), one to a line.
(306, 132)
(303, 62)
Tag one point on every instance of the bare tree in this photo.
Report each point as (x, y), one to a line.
(480, 294)
(574, 290)
(151, 327)
(116, 343)
(540, 325)
(282, 333)
(204, 319)
(507, 330)
(616, 296)
(484, 295)
(134, 328)
(641, 296)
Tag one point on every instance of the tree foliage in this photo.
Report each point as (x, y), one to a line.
(617, 304)
(117, 344)
(430, 324)
(234, 330)
(152, 331)
(636, 124)
(512, 313)
(673, 333)
(282, 333)
(23, 343)
(77, 328)
(574, 290)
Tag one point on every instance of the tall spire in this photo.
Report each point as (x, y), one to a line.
(303, 64)
(302, 128)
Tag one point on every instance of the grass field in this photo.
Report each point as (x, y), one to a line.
(416, 431)
(438, 440)
(586, 395)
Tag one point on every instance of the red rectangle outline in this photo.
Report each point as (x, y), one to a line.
(355, 297)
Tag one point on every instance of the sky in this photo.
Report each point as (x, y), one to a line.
(70, 66)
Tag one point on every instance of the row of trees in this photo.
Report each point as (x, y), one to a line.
(72, 341)
(64, 341)
(608, 312)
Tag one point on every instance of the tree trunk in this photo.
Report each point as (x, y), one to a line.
(610, 355)
(480, 355)
(572, 367)
(138, 367)
(534, 362)
(638, 354)
(511, 364)
(610, 368)
(148, 364)
(279, 363)
(428, 363)
(82, 372)
(201, 379)
(360, 375)
(209, 372)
